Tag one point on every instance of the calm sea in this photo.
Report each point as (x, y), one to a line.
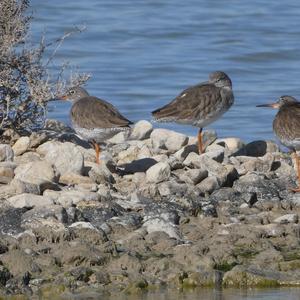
(141, 54)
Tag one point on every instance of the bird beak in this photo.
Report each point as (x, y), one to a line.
(62, 97)
(272, 105)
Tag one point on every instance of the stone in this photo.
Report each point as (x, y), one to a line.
(259, 148)
(167, 139)
(288, 218)
(208, 137)
(66, 157)
(6, 153)
(182, 153)
(158, 173)
(193, 160)
(141, 130)
(233, 144)
(39, 173)
(217, 155)
(6, 173)
(100, 173)
(159, 224)
(194, 176)
(128, 155)
(136, 166)
(72, 197)
(209, 184)
(29, 201)
(21, 145)
(73, 178)
(118, 138)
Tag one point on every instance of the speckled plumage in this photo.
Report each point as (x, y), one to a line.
(201, 104)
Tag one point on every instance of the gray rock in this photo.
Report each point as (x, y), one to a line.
(217, 154)
(209, 184)
(182, 153)
(100, 173)
(66, 157)
(168, 139)
(6, 172)
(6, 153)
(73, 178)
(158, 173)
(21, 145)
(39, 173)
(118, 138)
(194, 176)
(288, 218)
(29, 201)
(141, 130)
(233, 144)
(258, 148)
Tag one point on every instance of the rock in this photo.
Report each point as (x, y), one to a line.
(288, 218)
(118, 138)
(29, 201)
(66, 157)
(182, 153)
(128, 155)
(158, 173)
(209, 184)
(70, 198)
(21, 145)
(100, 173)
(217, 155)
(194, 176)
(141, 130)
(159, 224)
(258, 148)
(73, 178)
(233, 144)
(208, 137)
(136, 166)
(167, 139)
(6, 153)
(39, 173)
(6, 172)
(27, 157)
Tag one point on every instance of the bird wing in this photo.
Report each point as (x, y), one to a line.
(97, 113)
(192, 103)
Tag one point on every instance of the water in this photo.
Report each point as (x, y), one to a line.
(141, 54)
(203, 294)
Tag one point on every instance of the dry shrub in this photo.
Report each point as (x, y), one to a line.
(26, 83)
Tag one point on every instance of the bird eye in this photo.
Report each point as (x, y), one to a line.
(72, 92)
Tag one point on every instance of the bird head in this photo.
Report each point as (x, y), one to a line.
(74, 93)
(220, 79)
(282, 101)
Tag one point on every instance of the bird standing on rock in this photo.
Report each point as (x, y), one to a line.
(94, 119)
(286, 126)
(199, 105)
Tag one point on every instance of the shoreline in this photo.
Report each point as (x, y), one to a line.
(153, 214)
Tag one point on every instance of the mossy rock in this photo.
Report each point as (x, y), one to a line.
(242, 278)
(52, 291)
(289, 265)
(137, 287)
(196, 279)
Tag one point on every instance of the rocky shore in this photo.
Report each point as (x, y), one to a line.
(154, 213)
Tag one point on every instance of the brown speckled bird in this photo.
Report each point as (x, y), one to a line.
(286, 126)
(94, 119)
(199, 105)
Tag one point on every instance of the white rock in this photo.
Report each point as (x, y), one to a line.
(66, 157)
(209, 184)
(168, 139)
(158, 224)
(36, 172)
(118, 138)
(193, 160)
(158, 173)
(233, 144)
(21, 145)
(194, 176)
(83, 225)
(29, 201)
(141, 130)
(288, 218)
(217, 155)
(182, 153)
(6, 153)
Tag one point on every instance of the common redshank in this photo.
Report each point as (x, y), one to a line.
(286, 126)
(94, 119)
(199, 105)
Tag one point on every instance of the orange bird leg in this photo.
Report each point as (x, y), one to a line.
(297, 189)
(97, 150)
(200, 142)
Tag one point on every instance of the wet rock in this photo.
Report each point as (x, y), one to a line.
(6, 153)
(141, 130)
(38, 173)
(158, 173)
(29, 201)
(167, 139)
(66, 157)
(21, 145)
